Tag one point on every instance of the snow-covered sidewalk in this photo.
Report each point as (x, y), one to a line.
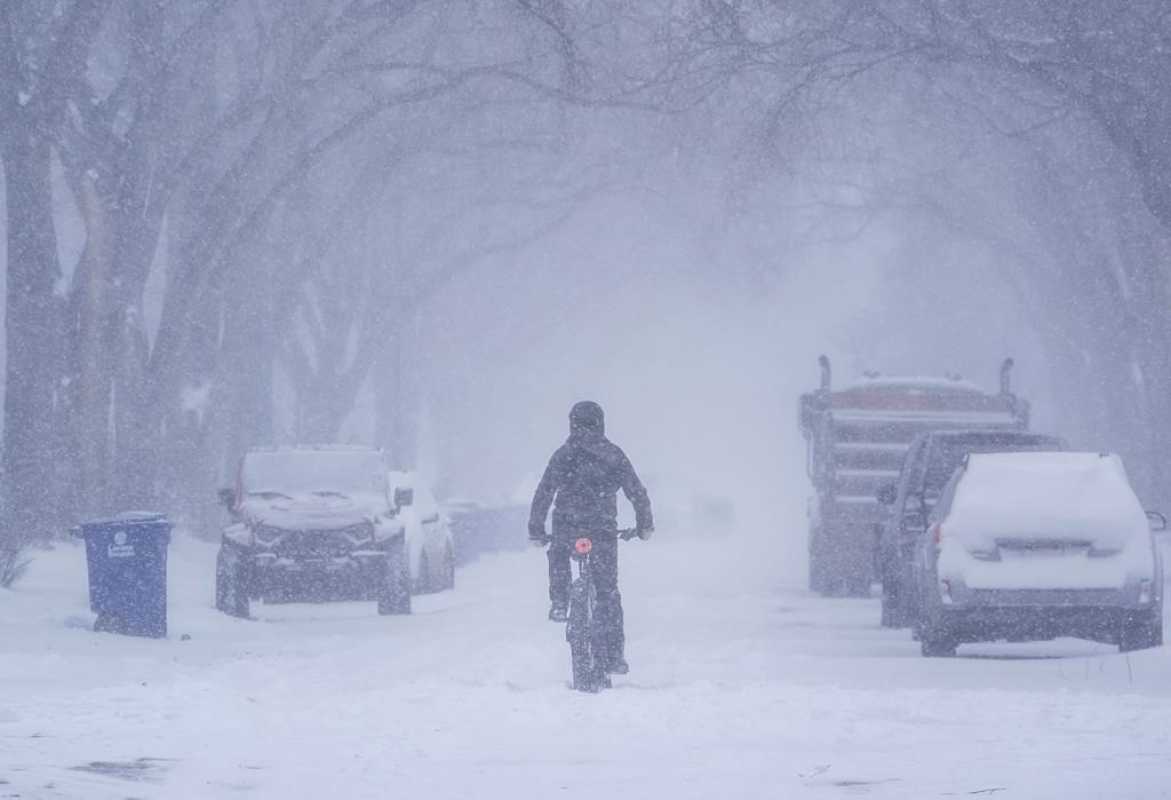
(740, 688)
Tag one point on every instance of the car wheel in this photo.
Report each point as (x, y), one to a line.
(934, 647)
(889, 611)
(936, 641)
(231, 584)
(394, 590)
(819, 579)
(1141, 632)
(858, 586)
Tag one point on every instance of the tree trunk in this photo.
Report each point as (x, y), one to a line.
(34, 338)
(395, 420)
(94, 349)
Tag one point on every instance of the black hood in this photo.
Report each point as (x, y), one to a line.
(587, 417)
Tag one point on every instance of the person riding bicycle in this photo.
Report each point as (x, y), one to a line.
(583, 479)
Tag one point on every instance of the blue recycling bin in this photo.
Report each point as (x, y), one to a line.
(127, 559)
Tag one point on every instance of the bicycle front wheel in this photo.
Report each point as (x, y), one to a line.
(579, 634)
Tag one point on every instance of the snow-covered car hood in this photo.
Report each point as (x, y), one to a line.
(310, 512)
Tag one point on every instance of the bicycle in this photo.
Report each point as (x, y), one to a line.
(588, 674)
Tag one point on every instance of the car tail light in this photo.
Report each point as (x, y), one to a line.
(937, 533)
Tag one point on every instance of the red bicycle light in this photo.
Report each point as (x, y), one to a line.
(583, 546)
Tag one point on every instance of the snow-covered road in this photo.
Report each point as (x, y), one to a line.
(740, 688)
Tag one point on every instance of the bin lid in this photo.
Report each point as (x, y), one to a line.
(127, 518)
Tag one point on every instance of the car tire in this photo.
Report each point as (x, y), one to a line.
(231, 583)
(935, 641)
(895, 611)
(889, 617)
(394, 590)
(818, 563)
(1141, 632)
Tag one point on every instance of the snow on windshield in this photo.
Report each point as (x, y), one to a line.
(303, 471)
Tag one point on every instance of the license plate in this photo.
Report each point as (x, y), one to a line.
(1047, 552)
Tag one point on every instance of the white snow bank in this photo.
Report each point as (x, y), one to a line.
(739, 689)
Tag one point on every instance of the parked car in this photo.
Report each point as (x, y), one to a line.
(929, 464)
(1032, 546)
(313, 524)
(430, 544)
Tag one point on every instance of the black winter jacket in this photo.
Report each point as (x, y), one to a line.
(584, 477)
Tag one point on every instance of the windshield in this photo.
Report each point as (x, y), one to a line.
(326, 472)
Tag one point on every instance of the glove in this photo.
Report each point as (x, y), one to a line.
(538, 540)
(645, 533)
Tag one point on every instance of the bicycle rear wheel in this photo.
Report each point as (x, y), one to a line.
(579, 634)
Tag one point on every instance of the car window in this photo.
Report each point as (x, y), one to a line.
(947, 496)
(907, 475)
(917, 468)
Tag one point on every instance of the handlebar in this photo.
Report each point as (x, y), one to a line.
(625, 534)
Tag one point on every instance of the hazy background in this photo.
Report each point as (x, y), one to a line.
(433, 226)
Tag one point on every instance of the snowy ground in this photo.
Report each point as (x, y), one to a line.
(740, 688)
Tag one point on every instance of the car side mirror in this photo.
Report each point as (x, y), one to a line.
(227, 498)
(915, 512)
(1158, 521)
(887, 494)
(403, 497)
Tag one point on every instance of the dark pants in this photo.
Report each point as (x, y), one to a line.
(608, 618)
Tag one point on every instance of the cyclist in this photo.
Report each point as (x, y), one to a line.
(582, 483)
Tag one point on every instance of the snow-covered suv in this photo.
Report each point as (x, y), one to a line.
(313, 523)
(928, 466)
(1031, 546)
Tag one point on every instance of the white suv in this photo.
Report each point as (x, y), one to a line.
(1031, 546)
